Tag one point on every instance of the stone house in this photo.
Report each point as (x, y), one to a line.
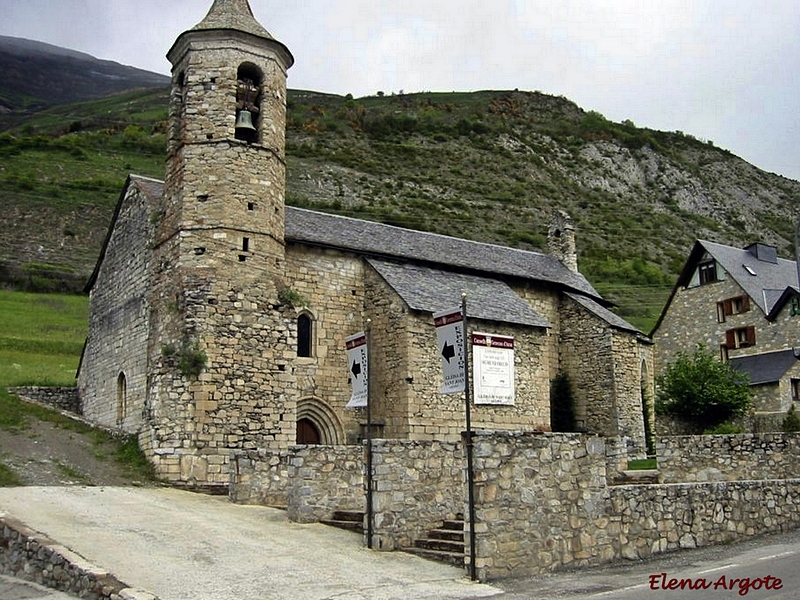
(218, 315)
(745, 304)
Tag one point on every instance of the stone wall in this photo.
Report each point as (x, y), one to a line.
(30, 555)
(747, 456)
(260, 477)
(324, 479)
(113, 373)
(416, 485)
(63, 398)
(543, 503)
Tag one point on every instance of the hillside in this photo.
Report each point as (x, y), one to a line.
(37, 75)
(490, 166)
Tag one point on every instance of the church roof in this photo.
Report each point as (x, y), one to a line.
(429, 271)
(387, 241)
(232, 14)
(434, 290)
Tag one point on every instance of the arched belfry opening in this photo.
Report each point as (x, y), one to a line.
(248, 103)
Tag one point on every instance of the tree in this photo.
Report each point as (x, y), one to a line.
(700, 388)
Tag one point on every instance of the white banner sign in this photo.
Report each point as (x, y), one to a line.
(450, 337)
(493, 368)
(358, 365)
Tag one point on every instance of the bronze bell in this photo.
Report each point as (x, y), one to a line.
(244, 121)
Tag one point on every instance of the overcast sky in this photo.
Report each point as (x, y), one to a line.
(721, 70)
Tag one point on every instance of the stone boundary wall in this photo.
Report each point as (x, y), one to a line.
(543, 503)
(29, 555)
(698, 458)
(324, 479)
(259, 477)
(63, 398)
(416, 485)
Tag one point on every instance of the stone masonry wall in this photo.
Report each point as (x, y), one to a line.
(417, 485)
(323, 479)
(543, 503)
(113, 373)
(700, 458)
(64, 398)
(260, 477)
(30, 555)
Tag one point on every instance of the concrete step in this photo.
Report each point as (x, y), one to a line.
(443, 545)
(450, 558)
(346, 519)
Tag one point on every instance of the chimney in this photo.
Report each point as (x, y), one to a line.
(561, 240)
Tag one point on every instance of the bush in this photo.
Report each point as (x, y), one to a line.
(701, 389)
(791, 423)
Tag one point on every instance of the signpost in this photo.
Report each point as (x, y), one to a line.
(358, 360)
(451, 327)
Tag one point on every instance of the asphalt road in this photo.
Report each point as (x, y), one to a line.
(183, 546)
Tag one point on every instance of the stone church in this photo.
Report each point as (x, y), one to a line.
(219, 315)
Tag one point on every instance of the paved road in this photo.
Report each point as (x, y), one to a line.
(16, 589)
(183, 546)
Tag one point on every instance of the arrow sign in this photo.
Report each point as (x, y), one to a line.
(450, 336)
(448, 351)
(356, 346)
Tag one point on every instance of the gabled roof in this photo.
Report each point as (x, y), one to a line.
(769, 367)
(442, 266)
(387, 241)
(603, 313)
(764, 277)
(434, 290)
(151, 188)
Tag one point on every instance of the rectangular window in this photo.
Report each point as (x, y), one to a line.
(732, 306)
(245, 244)
(707, 272)
(796, 390)
(741, 337)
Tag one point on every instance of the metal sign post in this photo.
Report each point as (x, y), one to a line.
(370, 396)
(470, 470)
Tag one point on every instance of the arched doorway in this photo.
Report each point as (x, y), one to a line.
(317, 423)
(307, 432)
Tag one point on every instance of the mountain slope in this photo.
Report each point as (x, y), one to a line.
(37, 75)
(490, 166)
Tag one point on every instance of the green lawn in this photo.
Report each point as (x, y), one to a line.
(41, 338)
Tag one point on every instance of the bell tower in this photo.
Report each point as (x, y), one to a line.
(220, 342)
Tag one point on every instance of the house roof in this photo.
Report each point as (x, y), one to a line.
(765, 278)
(768, 367)
(387, 241)
(760, 273)
(434, 290)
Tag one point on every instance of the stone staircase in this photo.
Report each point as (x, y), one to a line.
(351, 520)
(444, 544)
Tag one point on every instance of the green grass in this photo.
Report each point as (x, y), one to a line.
(41, 339)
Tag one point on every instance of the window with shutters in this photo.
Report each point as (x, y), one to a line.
(732, 306)
(741, 337)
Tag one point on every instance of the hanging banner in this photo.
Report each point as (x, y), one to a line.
(450, 337)
(493, 368)
(358, 365)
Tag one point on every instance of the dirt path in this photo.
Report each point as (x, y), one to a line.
(45, 454)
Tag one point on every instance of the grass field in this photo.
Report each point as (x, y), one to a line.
(41, 338)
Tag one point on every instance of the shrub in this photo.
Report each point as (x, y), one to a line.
(701, 389)
(791, 423)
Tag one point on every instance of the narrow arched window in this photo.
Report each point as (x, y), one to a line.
(305, 335)
(122, 398)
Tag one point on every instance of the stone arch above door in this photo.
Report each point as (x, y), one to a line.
(316, 412)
